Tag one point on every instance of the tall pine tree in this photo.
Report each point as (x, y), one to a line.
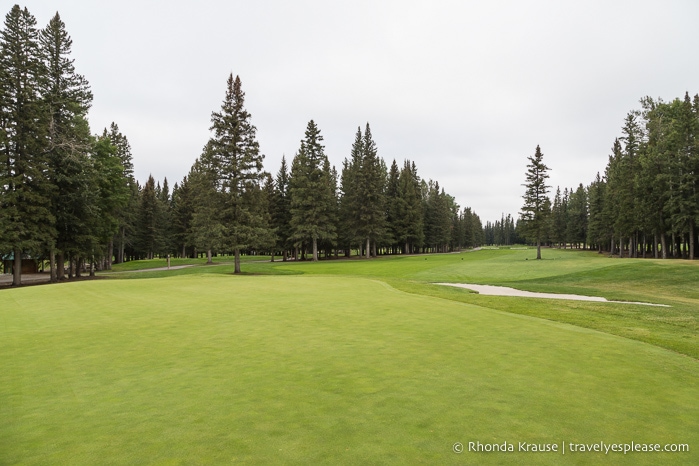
(535, 211)
(313, 202)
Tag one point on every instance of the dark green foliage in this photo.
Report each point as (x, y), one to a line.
(536, 209)
(113, 188)
(237, 164)
(26, 220)
(147, 226)
(559, 217)
(409, 225)
(501, 233)
(438, 218)
(280, 210)
(371, 186)
(596, 231)
(182, 212)
(351, 199)
(576, 230)
(393, 207)
(207, 228)
(313, 202)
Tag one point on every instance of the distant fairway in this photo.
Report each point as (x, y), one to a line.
(204, 367)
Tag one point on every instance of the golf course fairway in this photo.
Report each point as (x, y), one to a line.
(320, 369)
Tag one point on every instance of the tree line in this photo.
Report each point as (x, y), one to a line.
(68, 196)
(64, 193)
(646, 204)
(229, 204)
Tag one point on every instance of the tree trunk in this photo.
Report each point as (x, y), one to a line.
(110, 253)
(691, 240)
(675, 245)
(631, 247)
(655, 244)
(92, 267)
(52, 262)
(315, 249)
(17, 268)
(373, 250)
(78, 272)
(663, 245)
(621, 247)
(122, 245)
(208, 257)
(237, 260)
(538, 248)
(367, 250)
(60, 266)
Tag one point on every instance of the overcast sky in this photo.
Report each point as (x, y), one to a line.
(465, 89)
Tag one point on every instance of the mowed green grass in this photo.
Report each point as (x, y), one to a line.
(671, 282)
(203, 368)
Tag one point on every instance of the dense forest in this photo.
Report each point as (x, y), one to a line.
(68, 196)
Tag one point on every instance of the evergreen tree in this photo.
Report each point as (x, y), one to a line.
(350, 198)
(559, 217)
(371, 183)
(166, 241)
(27, 226)
(313, 201)
(596, 232)
(281, 210)
(147, 226)
(182, 212)
(684, 165)
(126, 213)
(576, 229)
(207, 225)
(67, 98)
(114, 193)
(534, 212)
(393, 210)
(410, 223)
(238, 163)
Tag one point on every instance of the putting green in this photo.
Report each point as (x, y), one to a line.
(319, 370)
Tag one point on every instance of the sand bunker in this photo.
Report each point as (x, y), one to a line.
(505, 291)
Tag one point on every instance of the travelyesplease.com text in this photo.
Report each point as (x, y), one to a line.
(570, 447)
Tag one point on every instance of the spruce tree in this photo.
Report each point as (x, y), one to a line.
(393, 206)
(182, 211)
(67, 98)
(27, 226)
(313, 202)
(409, 225)
(238, 163)
(281, 210)
(596, 233)
(147, 226)
(207, 224)
(535, 210)
(350, 199)
(371, 183)
(126, 213)
(113, 192)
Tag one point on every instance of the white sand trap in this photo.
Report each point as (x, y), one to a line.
(491, 290)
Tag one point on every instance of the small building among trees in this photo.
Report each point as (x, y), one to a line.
(29, 265)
